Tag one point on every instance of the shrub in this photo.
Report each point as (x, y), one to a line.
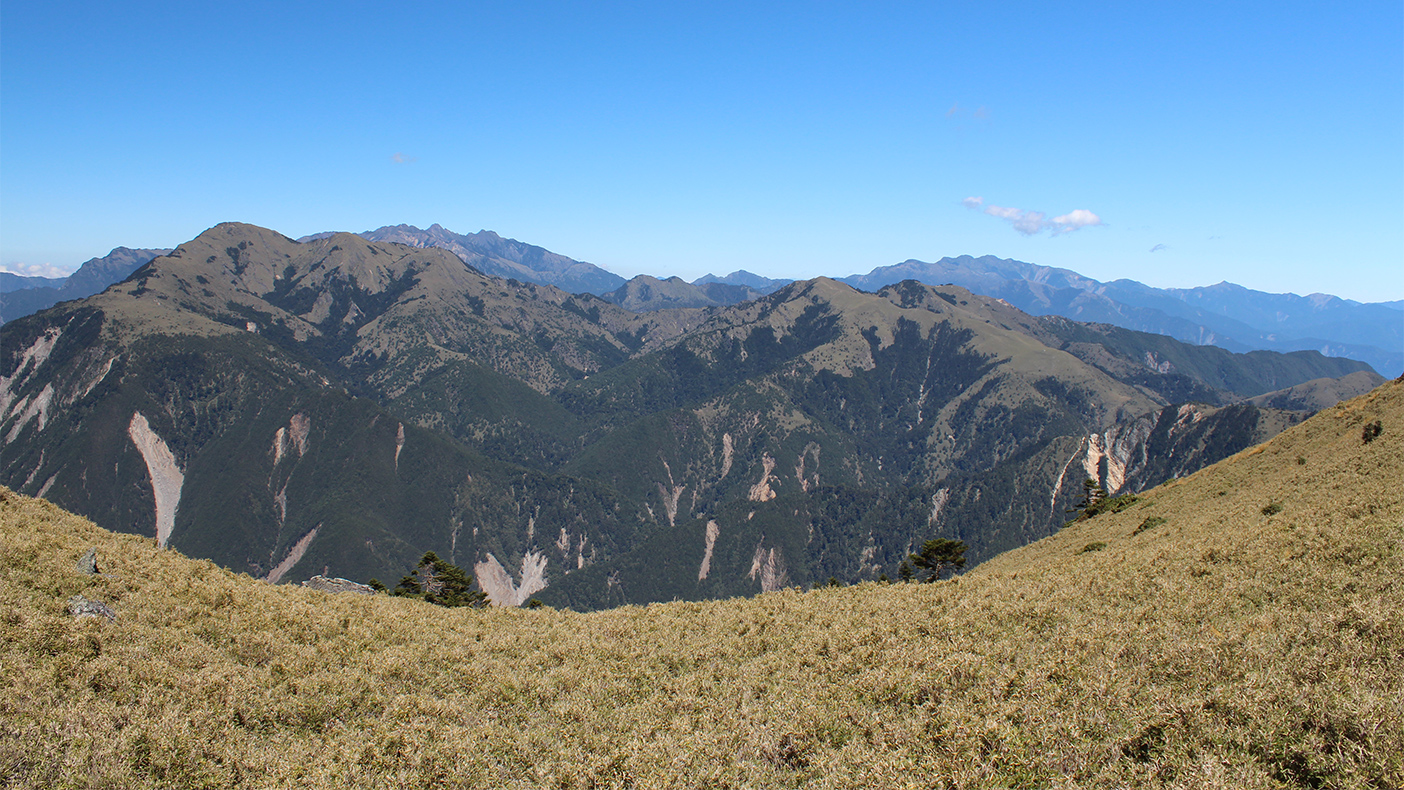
(1372, 431)
(1151, 522)
(1096, 545)
(1272, 508)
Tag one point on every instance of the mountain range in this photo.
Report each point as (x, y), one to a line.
(342, 405)
(1225, 315)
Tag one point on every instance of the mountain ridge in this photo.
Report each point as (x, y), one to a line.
(552, 441)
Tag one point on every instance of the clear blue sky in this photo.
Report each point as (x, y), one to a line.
(1261, 143)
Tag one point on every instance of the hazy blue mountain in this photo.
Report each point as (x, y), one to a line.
(644, 293)
(760, 284)
(492, 254)
(9, 281)
(92, 277)
(1225, 315)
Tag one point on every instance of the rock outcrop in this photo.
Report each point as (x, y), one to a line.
(336, 585)
(81, 607)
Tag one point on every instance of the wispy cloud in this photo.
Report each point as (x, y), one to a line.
(35, 270)
(1029, 222)
(981, 113)
(1159, 247)
(401, 159)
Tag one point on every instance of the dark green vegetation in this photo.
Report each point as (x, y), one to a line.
(936, 556)
(437, 582)
(339, 405)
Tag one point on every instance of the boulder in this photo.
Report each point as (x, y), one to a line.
(81, 607)
(88, 562)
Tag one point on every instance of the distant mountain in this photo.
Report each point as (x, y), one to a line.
(9, 281)
(90, 278)
(1225, 315)
(755, 282)
(489, 253)
(644, 293)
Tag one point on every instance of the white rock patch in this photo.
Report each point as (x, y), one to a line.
(762, 492)
(37, 352)
(39, 407)
(502, 590)
(938, 503)
(294, 557)
(299, 426)
(712, 532)
(769, 566)
(671, 495)
(102, 374)
(399, 445)
(166, 477)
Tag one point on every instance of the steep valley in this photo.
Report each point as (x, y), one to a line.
(342, 405)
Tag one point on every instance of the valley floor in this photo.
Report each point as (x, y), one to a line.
(1243, 627)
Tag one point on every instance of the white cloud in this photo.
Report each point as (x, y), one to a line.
(401, 159)
(35, 270)
(1076, 219)
(1030, 222)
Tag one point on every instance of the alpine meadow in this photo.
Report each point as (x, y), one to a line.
(1240, 627)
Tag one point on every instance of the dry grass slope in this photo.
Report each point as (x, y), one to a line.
(1241, 628)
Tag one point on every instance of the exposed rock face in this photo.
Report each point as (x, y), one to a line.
(337, 585)
(294, 557)
(768, 565)
(762, 492)
(81, 607)
(166, 476)
(88, 562)
(501, 589)
(713, 531)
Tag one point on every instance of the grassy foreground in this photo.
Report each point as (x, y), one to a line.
(1243, 627)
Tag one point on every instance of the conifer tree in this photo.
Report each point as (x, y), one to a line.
(937, 555)
(441, 583)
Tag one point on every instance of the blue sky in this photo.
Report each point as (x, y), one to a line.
(1260, 143)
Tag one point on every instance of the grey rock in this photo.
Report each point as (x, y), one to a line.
(334, 585)
(81, 607)
(88, 562)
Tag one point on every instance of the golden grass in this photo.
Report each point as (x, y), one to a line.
(1220, 647)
